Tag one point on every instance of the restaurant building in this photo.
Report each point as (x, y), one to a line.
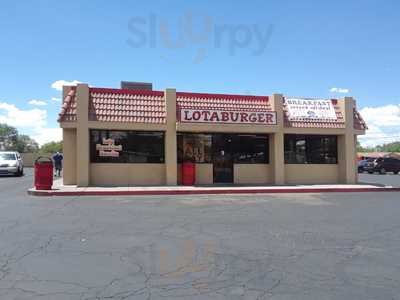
(138, 136)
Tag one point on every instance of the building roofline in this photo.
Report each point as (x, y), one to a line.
(178, 94)
(221, 96)
(125, 91)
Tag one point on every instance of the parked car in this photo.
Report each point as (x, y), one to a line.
(363, 163)
(383, 165)
(11, 163)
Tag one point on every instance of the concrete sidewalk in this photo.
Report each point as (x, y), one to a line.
(71, 190)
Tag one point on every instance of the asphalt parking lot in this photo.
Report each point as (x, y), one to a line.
(288, 246)
(388, 179)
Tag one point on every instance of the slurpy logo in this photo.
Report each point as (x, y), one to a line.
(200, 33)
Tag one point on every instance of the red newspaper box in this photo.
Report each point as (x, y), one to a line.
(188, 173)
(43, 173)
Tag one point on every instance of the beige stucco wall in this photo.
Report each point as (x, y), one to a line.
(69, 161)
(204, 174)
(82, 136)
(78, 169)
(276, 142)
(106, 174)
(312, 173)
(171, 170)
(29, 158)
(252, 174)
(347, 144)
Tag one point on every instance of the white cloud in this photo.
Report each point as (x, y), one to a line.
(46, 135)
(55, 99)
(339, 90)
(37, 102)
(31, 121)
(388, 115)
(58, 85)
(13, 116)
(383, 123)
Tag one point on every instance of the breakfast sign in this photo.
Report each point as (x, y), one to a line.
(108, 148)
(310, 109)
(227, 116)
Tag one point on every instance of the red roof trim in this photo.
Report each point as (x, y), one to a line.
(131, 92)
(180, 94)
(333, 100)
(224, 108)
(221, 96)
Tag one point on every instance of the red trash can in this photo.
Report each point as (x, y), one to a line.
(188, 173)
(43, 173)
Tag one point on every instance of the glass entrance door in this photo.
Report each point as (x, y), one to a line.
(222, 158)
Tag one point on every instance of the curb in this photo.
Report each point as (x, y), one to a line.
(210, 192)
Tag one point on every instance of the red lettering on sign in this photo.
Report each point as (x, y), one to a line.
(261, 118)
(196, 115)
(224, 116)
(227, 116)
(234, 116)
(253, 118)
(270, 118)
(243, 117)
(214, 117)
(187, 116)
(205, 114)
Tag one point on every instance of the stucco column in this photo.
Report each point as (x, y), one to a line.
(347, 144)
(69, 153)
(69, 148)
(171, 167)
(277, 142)
(82, 135)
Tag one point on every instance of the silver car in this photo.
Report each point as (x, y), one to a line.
(11, 163)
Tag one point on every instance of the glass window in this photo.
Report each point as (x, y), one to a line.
(310, 149)
(295, 149)
(194, 147)
(243, 148)
(251, 148)
(111, 146)
(7, 156)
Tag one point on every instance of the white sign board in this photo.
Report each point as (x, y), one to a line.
(310, 109)
(227, 116)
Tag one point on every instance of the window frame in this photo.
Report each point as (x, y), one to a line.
(308, 153)
(235, 137)
(14, 157)
(180, 160)
(162, 160)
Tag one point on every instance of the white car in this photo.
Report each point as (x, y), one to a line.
(11, 163)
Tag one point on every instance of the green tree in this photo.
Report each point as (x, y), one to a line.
(52, 147)
(364, 149)
(8, 137)
(25, 144)
(390, 147)
(11, 140)
(359, 147)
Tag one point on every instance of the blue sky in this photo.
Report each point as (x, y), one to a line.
(298, 48)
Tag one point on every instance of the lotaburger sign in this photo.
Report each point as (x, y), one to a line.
(227, 116)
(310, 109)
(108, 148)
